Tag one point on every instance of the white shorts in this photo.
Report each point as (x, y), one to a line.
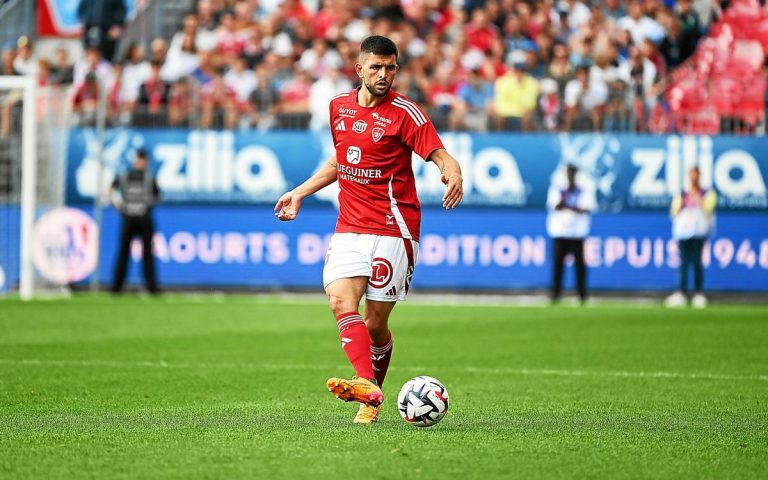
(388, 262)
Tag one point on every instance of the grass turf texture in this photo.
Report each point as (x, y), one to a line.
(180, 387)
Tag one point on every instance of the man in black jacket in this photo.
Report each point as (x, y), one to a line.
(102, 24)
(138, 193)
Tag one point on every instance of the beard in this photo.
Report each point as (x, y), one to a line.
(372, 91)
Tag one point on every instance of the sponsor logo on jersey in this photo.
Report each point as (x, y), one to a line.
(347, 112)
(359, 126)
(381, 273)
(390, 220)
(381, 119)
(377, 133)
(354, 155)
(340, 127)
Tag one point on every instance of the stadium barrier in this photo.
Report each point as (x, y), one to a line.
(216, 228)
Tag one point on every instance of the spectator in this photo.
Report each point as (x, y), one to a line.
(321, 93)
(441, 97)
(640, 26)
(263, 99)
(180, 104)
(85, 103)
(614, 9)
(24, 63)
(136, 71)
(550, 105)
(515, 96)
(584, 101)
(93, 62)
(153, 99)
(692, 223)
(293, 106)
(481, 33)
(514, 38)
(6, 68)
(230, 43)
(182, 59)
(320, 59)
(218, 103)
(102, 24)
(474, 100)
(62, 72)
(568, 224)
(242, 80)
(690, 28)
(560, 69)
(671, 46)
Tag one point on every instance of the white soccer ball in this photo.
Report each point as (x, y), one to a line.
(423, 401)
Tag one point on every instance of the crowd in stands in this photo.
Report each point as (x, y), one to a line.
(535, 65)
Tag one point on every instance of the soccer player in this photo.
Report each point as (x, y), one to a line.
(373, 250)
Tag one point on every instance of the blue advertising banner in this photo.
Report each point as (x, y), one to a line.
(9, 246)
(625, 172)
(467, 248)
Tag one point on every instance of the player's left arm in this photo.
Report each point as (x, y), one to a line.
(450, 175)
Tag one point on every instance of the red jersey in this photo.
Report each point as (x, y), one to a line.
(374, 147)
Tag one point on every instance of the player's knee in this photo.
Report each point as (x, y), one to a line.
(340, 304)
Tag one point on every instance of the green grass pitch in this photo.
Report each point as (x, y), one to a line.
(234, 387)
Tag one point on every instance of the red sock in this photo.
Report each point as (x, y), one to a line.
(381, 354)
(356, 343)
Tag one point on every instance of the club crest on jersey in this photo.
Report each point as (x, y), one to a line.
(377, 133)
(359, 126)
(354, 155)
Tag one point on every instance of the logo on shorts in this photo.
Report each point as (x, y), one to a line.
(377, 133)
(381, 273)
(359, 126)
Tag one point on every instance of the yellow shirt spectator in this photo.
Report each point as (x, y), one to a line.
(515, 94)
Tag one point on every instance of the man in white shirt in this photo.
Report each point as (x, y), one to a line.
(568, 223)
(640, 26)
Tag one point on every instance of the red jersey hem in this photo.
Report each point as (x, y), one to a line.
(373, 231)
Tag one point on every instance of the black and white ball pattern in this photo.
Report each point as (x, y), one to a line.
(423, 401)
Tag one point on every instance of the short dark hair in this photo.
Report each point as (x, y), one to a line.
(378, 45)
(142, 153)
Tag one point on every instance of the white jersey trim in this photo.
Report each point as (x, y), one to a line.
(396, 212)
(412, 110)
(340, 95)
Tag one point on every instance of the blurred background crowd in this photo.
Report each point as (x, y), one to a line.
(495, 65)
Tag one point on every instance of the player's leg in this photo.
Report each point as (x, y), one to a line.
(377, 323)
(345, 276)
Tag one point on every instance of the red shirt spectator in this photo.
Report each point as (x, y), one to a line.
(480, 32)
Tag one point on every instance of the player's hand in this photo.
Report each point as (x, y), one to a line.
(287, 207)
(454, 191)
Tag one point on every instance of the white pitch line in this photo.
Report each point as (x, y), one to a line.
(314, 367)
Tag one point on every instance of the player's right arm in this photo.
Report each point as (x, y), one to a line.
(289, 204)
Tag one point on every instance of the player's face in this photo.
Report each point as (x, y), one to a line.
(377, 73)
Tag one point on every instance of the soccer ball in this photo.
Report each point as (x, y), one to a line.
(423, 401)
